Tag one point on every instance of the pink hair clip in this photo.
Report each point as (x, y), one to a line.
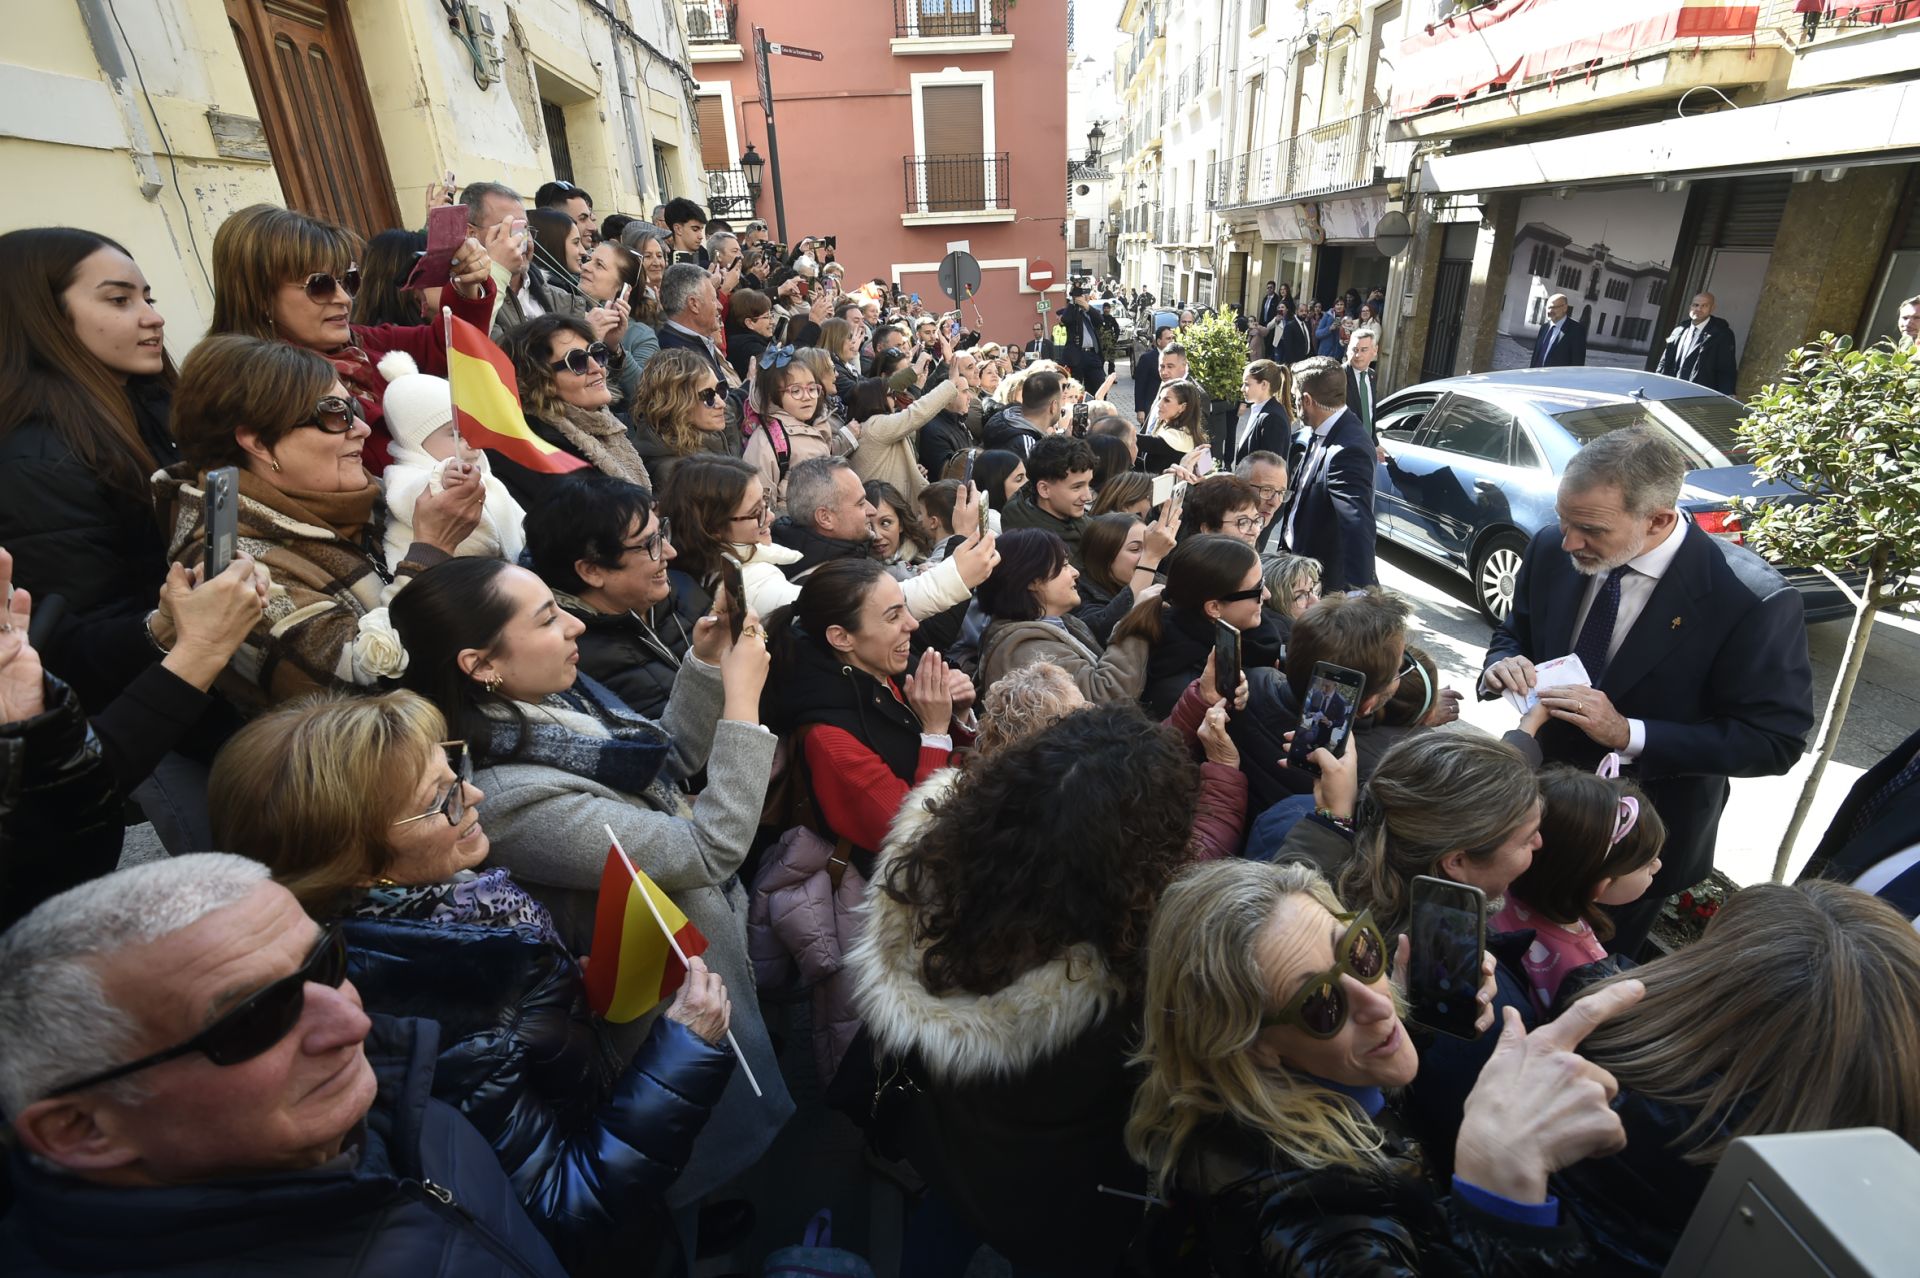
(1629, 812)
(1609, 766)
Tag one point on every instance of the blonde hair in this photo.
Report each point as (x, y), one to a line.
(262, 247)
(1798, 1011)
(1022, 702)
(1207, 995)
(1286, 574)
(665, 397)
(311, 789)
(1433, 793)
(1010, 383)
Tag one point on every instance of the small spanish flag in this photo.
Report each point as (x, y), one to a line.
(634, 964)
(486, 402)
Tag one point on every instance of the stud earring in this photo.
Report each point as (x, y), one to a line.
(492, 683)
(276, 465)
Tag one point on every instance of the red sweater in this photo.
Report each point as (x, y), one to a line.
(857, 792)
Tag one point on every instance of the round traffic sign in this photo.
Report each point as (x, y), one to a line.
(1392, 233)
(959, 276)
(1040, 274)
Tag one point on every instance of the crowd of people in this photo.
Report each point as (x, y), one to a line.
(892, 656)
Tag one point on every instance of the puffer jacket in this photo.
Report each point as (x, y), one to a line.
(590, 1142)
(802, 920)
(60, 820)
(638, 657)
(1260, 1217)
(98, 547)
(423, 1197)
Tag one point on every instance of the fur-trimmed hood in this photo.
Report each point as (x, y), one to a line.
(961, 1037)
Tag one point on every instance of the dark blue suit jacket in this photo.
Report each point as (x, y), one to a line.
(1334, 519)
(672, 339)
(1272, 433)
(1894, 828)
(1716, 666)
(1570, 350)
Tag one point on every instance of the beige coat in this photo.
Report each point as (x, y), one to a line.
(889, 442)
(1117, 674)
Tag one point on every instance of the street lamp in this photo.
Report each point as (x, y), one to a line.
(750, 164)
(1095, 136)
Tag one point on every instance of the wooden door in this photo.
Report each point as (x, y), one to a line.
(305, 73)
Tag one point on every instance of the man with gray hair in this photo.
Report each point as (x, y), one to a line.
(1695, 648)
(691, 305)
(498, 219)
(194, 1088)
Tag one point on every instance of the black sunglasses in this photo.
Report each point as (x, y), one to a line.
(576, 359)
(321, 285)
(334, 415)
(1320, 1005)
(711, 396)
(1254, 592)
(452, 803)
(251, 1028)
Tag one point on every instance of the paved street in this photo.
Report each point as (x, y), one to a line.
(1885, 708)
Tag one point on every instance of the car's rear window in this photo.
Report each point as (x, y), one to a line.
(1705, 432)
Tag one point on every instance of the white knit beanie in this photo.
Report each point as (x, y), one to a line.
(416, 404)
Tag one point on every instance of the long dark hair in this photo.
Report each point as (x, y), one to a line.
(1100, 541)
(991, 470)
(701, 498)
(1028, 556)
(454, 605)
(1006, 877)
(47, 374)
(1110, 458)
(833, 595)
(383, 299)
(1203, 567)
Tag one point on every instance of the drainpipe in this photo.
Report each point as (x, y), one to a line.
(106, 51)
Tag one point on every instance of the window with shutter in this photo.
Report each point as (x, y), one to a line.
(953, 155)
(712, 114)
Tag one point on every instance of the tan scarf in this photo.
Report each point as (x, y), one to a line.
(602, 440)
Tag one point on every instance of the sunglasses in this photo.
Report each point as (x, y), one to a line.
(452, 803)
(1253, 592)
(334, 415)
(711, 397)
(251, 1028)
(1320, 1006)
(576, 360)
(653, 547)
(321, 285)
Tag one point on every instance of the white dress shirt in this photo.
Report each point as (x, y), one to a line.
(1553, 336)
(1636, 587)
(1314, 462)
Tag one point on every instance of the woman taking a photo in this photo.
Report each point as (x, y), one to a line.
(1272, 1042)
(308, 511)
(887, 432)
(1029, 600)
(567, 396)
(1121, 555)
(999, 475)
(1210, 578)
(563, 761)
(283, 276)
(679, 411)
(369, 816)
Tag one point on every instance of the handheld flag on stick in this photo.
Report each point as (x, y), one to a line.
(486, 402)
(634, 966)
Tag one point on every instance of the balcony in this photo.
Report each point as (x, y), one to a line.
(728, 195)
(1494, 65)
(950, 26)
(1343, 156)
(711, 30)
(957, 188)
(1205, 71)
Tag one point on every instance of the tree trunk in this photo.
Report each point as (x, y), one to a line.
(1836, 717)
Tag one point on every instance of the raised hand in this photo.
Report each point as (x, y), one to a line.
(1214, 739)
(929, 695)
(743, 672)
(976, 558)
(211, 619)
(22, 681)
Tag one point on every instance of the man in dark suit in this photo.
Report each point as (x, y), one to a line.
(1874, 841)
(1363, 387)
(1701, 350)
(1146, 373)
(1696, 647)
(1291, 342)
(1330, 513)
(1081, 352)
(1269, 305)
(1264, 427)
(1562, 342)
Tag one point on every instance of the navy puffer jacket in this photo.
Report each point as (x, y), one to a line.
(589, 1141)
(420, 1196)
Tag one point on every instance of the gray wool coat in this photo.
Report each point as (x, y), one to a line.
(546, 827)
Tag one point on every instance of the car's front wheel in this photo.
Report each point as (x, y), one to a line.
(1496, 570)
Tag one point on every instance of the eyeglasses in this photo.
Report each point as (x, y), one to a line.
(452, 803)
(1409, 666)
(655, 546)
(334, 415)
(1320, 1006)
(758, 515)
(575, 360)
(1267, 492)
(321, 285)
(1306, 594)
(250, 1028)
(711, 396)
(808, 389)
(1243, 523)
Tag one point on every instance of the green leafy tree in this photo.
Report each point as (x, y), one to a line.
(1842, 426)
(1216, 356)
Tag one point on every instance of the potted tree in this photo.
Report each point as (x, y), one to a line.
(1217, 359)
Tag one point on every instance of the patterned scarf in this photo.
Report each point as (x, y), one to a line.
(490, 898)
(603, 441)
(587, 732)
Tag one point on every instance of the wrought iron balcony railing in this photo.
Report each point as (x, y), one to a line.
(1341, 156)
(711, 21)
(728, 194)
(936, 18)
(957, 183)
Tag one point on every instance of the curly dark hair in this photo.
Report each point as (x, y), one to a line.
(1007, 877)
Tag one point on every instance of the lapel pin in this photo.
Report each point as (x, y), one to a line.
(1675, 625)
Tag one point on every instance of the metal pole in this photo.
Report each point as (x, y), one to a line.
(773, 138)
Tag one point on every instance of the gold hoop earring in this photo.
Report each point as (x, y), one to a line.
(492, 683)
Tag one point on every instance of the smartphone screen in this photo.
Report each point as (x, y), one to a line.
(1333, 698)
(222, 519)
(1448, 932)
(1226, 659)
(1203, 464)
(966, 469)
(681, 255)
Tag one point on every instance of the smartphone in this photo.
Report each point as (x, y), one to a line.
(1448, 934)
(1326, 720)
(222, 519)
(1203, 464)
(1226, 659)
(520, 231)
(734, 594)
(1162, 488)
(966, 470)
(1079, 420)
(626, 291)
(681, 255)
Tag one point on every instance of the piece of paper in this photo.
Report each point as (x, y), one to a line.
(1561, 672)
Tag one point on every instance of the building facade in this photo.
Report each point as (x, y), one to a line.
(924, 124)
(155, 121)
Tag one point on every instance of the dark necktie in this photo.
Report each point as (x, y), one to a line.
(1596, 635)
(1883, 796)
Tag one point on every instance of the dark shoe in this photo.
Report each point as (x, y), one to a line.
(724, 1226)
